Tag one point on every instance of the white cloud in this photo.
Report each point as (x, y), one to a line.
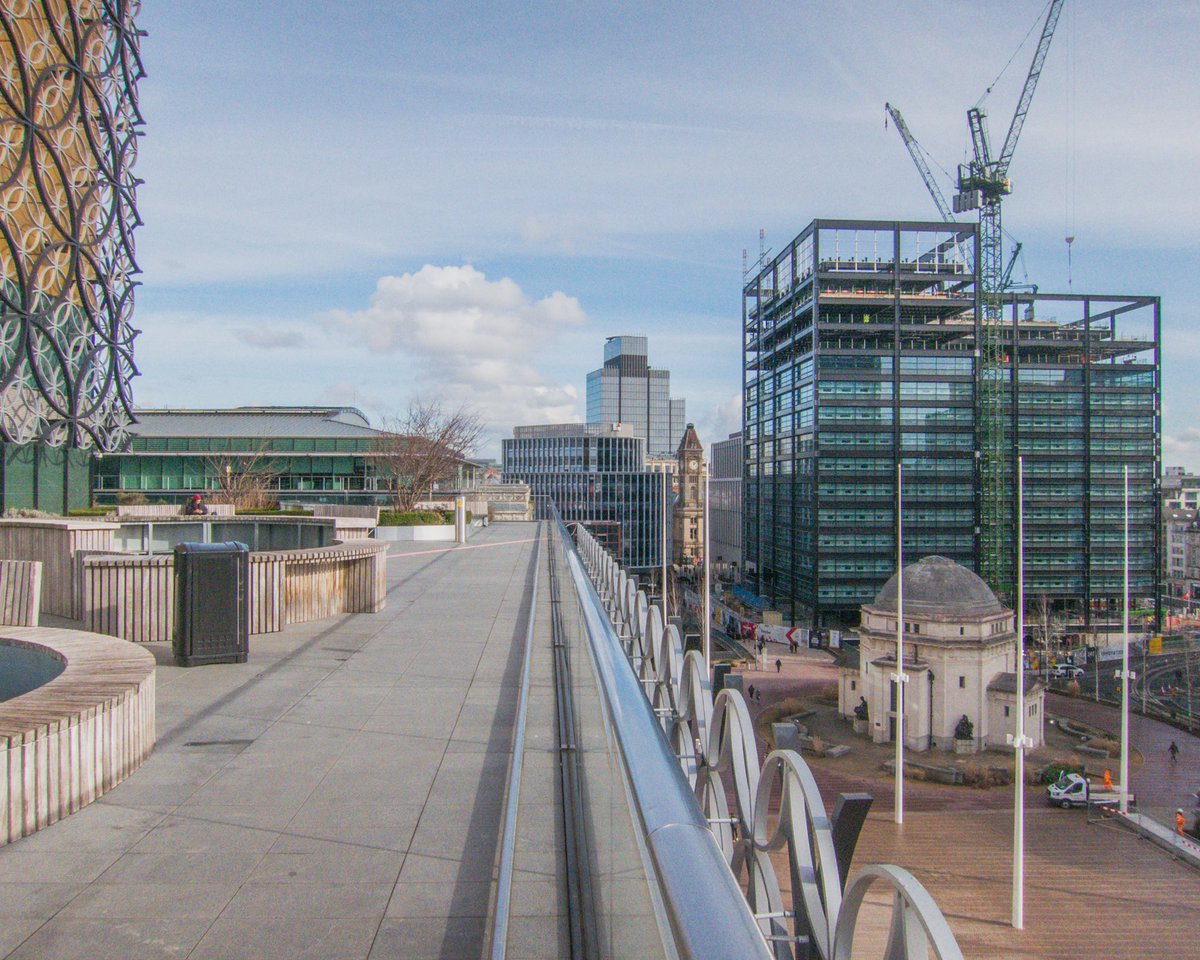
(472, 339)
(720, 421)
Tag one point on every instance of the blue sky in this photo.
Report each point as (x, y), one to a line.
(364, 202)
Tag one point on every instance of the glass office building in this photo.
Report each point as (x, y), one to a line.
(596, 474)
(860, 353)
(725, 501)
(627, 390)
(304, 455)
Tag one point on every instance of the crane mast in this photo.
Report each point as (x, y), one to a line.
(983, 183)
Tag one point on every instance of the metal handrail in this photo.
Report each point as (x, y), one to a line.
(706, 909)
(714, 742)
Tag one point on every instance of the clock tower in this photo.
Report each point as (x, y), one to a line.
(687, 528)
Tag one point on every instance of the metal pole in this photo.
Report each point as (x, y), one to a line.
(1019, 740)
(707, 613)
(666, 490)
(898, 677)
(1125, 663)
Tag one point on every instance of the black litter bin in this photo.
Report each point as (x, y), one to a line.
(212, 603)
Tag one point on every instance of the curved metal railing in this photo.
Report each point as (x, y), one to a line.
(707, 913)
(666, 716)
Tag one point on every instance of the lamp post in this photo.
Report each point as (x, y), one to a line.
(899, 678)
(1018, 740)
(1125, 675)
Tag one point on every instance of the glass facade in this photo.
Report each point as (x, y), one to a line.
(313, 455)
(627, 390)
(596, 475)
(860, 354)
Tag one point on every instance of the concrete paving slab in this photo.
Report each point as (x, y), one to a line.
(286, 939)
(35, 900)
(162, 901)
(277, 813)
(69, 938)
(307, 901)
(471, 899)
(429, 939)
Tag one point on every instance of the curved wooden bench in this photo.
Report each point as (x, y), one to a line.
(75, 738)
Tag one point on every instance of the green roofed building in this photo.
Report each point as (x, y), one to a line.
(296, 454)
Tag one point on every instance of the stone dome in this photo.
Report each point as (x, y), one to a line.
(937, 587)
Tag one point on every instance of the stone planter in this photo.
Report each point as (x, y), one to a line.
(440, 531)
(965, 747)
(861, 726)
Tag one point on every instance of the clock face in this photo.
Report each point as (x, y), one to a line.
(693, 464)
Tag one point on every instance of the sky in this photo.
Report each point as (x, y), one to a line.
(366, 203)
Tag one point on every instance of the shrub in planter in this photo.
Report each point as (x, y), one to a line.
(413, 518)
(1056, 768)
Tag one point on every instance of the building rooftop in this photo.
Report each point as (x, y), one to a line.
(548, 430)
(939, 587)
(253, 422)
(1007, 683)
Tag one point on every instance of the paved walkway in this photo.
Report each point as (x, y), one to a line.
(1092, 889)
(1160, 786)
(339, 796)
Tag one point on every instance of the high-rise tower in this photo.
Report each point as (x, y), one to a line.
(68, 137)
(628, 390)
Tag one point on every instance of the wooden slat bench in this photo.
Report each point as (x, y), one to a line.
(73, 739)
(20, 592)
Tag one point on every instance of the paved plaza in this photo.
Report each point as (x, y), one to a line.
(338, 796)
(1092, 890)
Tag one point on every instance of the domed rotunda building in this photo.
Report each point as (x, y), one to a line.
(960, 649)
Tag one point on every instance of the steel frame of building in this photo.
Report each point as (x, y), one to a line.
(906, 301)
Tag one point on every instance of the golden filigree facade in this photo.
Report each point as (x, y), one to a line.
(69, 124)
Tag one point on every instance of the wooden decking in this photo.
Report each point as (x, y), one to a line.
(75, 738)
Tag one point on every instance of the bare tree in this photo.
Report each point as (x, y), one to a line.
(424, 447)
(246, 480)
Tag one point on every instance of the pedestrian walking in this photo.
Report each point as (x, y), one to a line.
(1173, 750)
(1179, 821)
(778, 665)
(750, 691)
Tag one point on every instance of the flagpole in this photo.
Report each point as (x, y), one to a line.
(707, 585)
(1019, 740)
(899, 677)
(1125, 677)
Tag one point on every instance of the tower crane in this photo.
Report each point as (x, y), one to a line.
(983, 183)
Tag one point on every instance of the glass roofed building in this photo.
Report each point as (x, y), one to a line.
(309, 454)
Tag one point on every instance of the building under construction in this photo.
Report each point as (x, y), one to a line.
(861, 351)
